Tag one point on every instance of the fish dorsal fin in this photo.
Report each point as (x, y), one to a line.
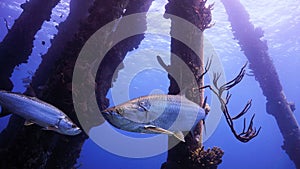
(28, 122)
(35, 99)
(183, 91)
(30, 91)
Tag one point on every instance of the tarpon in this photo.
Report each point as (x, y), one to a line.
(36, 111)
(154, 114)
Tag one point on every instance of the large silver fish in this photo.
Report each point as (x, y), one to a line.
(166, 114)
(36, 111)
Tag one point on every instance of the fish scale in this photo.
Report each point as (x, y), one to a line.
(39, 112)
(166, 114)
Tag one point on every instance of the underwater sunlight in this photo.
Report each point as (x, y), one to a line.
(138, 71)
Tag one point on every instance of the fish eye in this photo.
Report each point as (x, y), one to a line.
(142, 103)
(74, 126)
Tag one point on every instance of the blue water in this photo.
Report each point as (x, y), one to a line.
(279, 19)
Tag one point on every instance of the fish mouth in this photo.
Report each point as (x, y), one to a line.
(111, 115)
(111, 112)
(74, 131)
(77, 131)
(114, 110)
(106, 114)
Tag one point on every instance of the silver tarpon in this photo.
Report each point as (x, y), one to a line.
(166, 114)
(36, 111)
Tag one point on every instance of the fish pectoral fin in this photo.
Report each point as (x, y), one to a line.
(157, 129)
(178, 134)
(53, 128)
(28, 122)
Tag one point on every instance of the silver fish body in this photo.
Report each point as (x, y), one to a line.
(166, 114)
(38, 112)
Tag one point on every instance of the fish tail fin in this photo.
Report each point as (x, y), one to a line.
(204, 126)
(3, 112)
